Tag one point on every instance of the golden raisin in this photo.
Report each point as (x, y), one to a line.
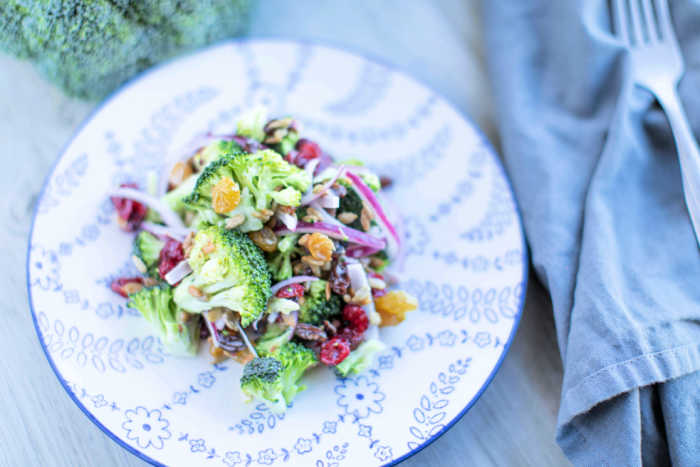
(320, 246)
(265, 239)
(393, 306)
(225, 196)
(179, 173)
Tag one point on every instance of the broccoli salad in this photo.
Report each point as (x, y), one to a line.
(262, 245)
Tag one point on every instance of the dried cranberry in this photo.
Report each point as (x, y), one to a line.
(356, 317)
(339, 279)
(306, 151)
(385, 181)
(117, 285)
(131, 212)
(353, 337)
(291, 291)
(170, 255)
(334, 351)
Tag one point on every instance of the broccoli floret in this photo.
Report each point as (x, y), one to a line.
(215, 151)
(91, 47)
(229, 271)
(157, 306)
(265, 172)
(274, 338)
(147, 248)
(352, 202)
(316, 308)
(262, 381)
(296, 359)
(251, 124)
(361, 358)
(275, 379)
(262, 177)
(280, 262)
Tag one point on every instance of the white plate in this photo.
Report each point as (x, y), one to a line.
(466, 263)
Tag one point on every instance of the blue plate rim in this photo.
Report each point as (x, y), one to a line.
(280, 39)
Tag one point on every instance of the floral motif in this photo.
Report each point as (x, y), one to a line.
(329, 426)
(146, 427)
(99, 401)
(446, 338)
(415, 343)
(360, 396)
(197, 445)
(364, 431)
(385, 362)
(303, 445)
(44, 268)
(383, 453)
(267, 456)
(482, 339)
(180, 398)
(232, 458)
(206, 379)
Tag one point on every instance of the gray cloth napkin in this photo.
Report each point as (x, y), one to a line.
(597, 177)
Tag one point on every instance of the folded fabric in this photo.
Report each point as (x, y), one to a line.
(596, 174)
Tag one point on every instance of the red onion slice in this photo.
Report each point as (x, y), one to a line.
(367, 195)
(309, 197)
(329, 200)
(163, 230)
(179, 272)
(292, 280)
(344, 233)
(168, 216)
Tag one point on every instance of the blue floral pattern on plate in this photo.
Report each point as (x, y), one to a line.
(464, 261)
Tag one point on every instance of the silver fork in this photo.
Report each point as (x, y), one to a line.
(657, 64)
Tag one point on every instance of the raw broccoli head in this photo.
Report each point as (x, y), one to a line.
(147, 249)
(280, 261)
(270, 178)
(91, 47)
(262, 177)
(262, 380)
(360, 359)
(156, 305)
(251, 124)
(215, 151)
(296, 359)
(229, 271)
(316, 308)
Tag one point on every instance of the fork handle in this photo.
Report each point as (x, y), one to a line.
(688, 153)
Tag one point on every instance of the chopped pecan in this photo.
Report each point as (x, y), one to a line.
(309, 332)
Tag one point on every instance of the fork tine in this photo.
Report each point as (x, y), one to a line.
(651, 21)
(665, 26)
(621, 21)
(636, 22)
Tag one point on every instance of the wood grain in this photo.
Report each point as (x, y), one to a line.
(513, 422)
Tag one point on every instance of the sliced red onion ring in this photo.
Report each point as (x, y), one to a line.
(162, 230)
(179, 272)
(340, 233)
(244, 336)
(212, 331)
(358, 251)
(292, 280)
(169, 217)
(309, 168)
(368, 196)
(309, 197)
(325, 217)
(289, 220)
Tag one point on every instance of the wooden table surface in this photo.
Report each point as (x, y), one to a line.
(514, 421)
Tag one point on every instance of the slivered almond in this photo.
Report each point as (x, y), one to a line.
(234, 221)
(347, 217)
